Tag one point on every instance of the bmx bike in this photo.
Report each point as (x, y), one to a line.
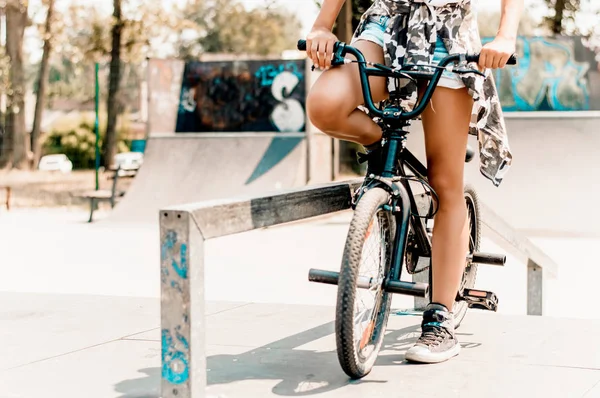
(387, 231)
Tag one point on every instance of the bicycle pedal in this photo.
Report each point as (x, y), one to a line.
(480, 299)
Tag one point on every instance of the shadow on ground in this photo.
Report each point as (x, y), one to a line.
(145, 387)
(300, 372)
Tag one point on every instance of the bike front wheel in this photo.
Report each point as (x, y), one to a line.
(363, 307)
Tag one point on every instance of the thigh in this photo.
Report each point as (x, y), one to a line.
(446, 124)
(344, 81)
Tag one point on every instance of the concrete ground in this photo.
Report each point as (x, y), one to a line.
(79, 316)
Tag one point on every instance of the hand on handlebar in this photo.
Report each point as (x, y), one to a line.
(496, 53)
(319, 47)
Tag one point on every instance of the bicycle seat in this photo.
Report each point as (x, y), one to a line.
(470, 154)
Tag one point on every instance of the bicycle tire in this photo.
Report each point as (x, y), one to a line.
(470, 274)
(355, 359)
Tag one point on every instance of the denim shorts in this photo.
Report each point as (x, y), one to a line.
(374, 30)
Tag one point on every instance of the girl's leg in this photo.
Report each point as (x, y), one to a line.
(446, 124)
(333, 100)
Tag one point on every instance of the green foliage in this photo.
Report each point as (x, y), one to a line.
(564, 12)
(77, 141)
(225, 26)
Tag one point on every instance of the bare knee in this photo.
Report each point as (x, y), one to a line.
(325, 110)
(449, 191)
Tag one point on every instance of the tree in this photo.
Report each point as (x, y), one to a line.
(42, 83)
(110, 140)
(564, 10)
(16, 145)
(349, 17)
(225, 26)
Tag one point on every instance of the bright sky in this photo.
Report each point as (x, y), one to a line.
(306, 10)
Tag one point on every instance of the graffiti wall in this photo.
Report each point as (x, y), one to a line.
(552, 75)
(242, 96)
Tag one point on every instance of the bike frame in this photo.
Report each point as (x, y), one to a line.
(394, 122)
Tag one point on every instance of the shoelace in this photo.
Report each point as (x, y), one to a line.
(433, 335)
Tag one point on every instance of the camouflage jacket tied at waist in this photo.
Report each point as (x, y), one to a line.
(410, 37)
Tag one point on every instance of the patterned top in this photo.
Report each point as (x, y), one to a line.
(410, 37)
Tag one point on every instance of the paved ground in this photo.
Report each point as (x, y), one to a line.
(98, 347)
(79, 316)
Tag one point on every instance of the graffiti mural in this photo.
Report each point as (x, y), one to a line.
(552, 75)
(242, 96)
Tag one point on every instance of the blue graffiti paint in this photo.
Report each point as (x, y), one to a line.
(164, 274)
(175, 285)
(179, 265)
(168, 244)
(175, 364)
(182, 267)
(267, 73)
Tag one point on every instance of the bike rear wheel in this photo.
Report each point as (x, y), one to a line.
(362, 314)
(470, 274)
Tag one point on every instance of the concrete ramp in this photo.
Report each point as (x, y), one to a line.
(186, 168)
(551, 186)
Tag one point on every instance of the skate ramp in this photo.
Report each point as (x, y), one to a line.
(183, 168)
(551, 187)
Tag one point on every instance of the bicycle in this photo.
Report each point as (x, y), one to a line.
(383, 206)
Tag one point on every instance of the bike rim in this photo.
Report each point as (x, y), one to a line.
(368, 302)
(472, 237)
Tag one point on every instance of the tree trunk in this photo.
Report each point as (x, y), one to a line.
(343, 29)
(109, 146)
(2, 96)
(559, 10)
(16, 143)
(43, 82)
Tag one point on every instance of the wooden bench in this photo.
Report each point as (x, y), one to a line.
(106, 195)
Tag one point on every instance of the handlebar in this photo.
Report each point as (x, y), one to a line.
(470, 58)
(340, 50)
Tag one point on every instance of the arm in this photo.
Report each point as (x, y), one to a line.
(496, 53)
(320, 40)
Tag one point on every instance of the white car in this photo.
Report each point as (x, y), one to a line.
(129, 161)
(59, 162)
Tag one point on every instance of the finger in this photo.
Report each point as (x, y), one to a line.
(328, 53)
(498, 60)
(490, 59)
(313, 52)
(322, 55)
(483, 59)
(504, 60)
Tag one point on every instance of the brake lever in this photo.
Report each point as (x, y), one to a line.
(465, 71)
(462, 67)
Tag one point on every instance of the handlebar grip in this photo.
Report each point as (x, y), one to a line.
(475, 58)
(302, 45)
